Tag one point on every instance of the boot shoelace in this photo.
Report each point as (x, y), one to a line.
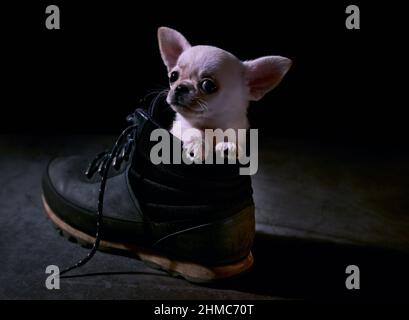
(101, 164)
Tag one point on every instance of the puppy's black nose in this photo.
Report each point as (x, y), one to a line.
(181, 89)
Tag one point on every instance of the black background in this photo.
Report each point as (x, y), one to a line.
(344, 86)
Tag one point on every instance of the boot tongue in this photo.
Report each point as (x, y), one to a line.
(161, 113)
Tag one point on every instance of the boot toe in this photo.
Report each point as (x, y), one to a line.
(73, 198)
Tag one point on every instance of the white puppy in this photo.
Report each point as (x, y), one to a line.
(210, 89)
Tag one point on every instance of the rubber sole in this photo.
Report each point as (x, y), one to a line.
(188, 270)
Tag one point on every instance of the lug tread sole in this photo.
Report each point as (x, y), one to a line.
(188, 270)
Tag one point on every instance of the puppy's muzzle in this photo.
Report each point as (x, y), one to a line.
(182, 95)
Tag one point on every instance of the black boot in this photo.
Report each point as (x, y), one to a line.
(194, 220)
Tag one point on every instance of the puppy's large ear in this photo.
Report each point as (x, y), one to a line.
(264, 74)
(171, 45)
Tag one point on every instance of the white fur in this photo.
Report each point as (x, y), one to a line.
(238, 83)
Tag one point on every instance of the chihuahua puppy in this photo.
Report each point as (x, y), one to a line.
(211, 89)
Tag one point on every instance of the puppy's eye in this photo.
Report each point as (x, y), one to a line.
(173, 76)
(208, 86)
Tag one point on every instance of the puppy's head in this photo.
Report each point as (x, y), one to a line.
(207, 82)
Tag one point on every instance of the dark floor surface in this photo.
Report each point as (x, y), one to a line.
(318, 209)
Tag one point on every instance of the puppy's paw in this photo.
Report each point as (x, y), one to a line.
(193, 149)
(227, 150)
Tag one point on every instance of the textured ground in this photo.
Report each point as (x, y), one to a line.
(318, 209)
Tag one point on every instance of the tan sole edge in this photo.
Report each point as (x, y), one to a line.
(188, 270)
